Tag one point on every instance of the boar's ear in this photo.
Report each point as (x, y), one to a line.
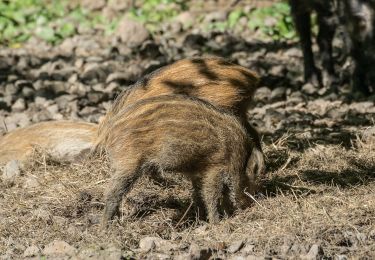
(255, 165)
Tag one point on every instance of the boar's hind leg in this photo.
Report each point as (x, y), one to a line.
(120, 184)
(198, 201)
(212, 189)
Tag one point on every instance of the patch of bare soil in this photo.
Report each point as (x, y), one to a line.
(316, 203)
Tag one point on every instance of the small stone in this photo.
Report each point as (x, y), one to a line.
(341, 257)
(309, 89)
(31, 251)
(11, 89)
(131, 32)
(235, 246)
(11, 171)
(19, 105)
(40, 101)
(262, 94)
(278, 94)
(28, 92)
(59, 247)
(78, 89)
(95, 97)
(53, 109)
(31, 183)
(186, 19)
(147, 244)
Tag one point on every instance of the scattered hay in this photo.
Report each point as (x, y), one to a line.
(324, 194)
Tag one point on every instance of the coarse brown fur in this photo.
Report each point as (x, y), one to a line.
(215, 80)
(180, 134)
(62, 139)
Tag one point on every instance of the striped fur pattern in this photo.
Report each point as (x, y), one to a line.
(180, 134)
(221, 83)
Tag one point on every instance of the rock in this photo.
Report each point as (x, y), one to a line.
(31, 183)
(59, 247)
(278, 94)
(235, 246)
(93, 73)
(278, 70)
(28, 92)
(78, 89)
(262, 94)
(19, 105)
(63, 100)
(40, 101)
(31, 251)
(341, 257)
(11, 171)
(53, 109)
(88, 110)
(309, 89)
(147, 244)
(186, 19)
(17, 119)
(95, 97)
(118, 77)
(132, 32)
(11, 89)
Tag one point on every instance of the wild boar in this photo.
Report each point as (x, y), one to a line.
(178, 134)
(63, 140)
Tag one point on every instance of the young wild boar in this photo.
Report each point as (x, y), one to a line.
(214, 80)
(179, 134)
(327, 20)
(63, 140)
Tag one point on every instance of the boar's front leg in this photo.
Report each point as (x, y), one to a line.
(120, 184)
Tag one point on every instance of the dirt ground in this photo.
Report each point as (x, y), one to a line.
(317, 201)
